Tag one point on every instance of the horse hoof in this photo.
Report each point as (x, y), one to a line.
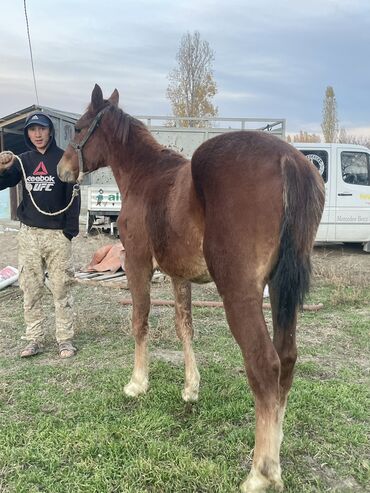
(134, 389)
(259, 484)
(189, 395)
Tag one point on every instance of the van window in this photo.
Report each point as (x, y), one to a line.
(320, 159)
(355, 168)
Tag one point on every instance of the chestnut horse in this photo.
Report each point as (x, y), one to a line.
(243, 212)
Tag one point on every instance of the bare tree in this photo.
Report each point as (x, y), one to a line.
(345, 138)
(304, 137)
(329, 124)
(192, 86)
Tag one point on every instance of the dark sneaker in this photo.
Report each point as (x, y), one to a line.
(66, 350)
(32, 349)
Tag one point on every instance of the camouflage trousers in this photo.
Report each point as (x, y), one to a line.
(41, 250)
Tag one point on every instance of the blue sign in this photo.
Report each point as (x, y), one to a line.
(4, 204)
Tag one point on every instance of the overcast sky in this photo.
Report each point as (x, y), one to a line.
(273, 58)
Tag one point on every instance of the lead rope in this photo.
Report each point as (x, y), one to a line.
(75, 191)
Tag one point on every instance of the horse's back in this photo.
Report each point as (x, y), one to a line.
(244, 172)
(238, 175)
(240, 160)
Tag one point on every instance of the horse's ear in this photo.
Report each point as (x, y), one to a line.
(114, 98)
(97, 97)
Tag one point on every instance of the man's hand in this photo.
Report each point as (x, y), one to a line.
(6, 160)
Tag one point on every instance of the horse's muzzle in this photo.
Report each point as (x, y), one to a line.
(64, 173)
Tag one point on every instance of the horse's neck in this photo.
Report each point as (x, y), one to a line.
(128, 160)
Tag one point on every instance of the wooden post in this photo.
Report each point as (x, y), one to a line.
(13, 203)
(12, 191)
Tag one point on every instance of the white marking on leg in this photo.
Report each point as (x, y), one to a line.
(266, 471)
(139, 381)
(192, 377)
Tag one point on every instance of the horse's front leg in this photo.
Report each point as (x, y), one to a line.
(139, 276)
(184, 330)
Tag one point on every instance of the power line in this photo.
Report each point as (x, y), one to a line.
(29, 43)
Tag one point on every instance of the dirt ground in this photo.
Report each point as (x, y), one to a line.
(330, 260)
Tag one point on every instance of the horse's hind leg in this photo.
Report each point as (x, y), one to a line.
(139, 283)
(184, 330)
(241, 287)
(245, 318)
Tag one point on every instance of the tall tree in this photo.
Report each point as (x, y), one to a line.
(192, 86)
(329, 124)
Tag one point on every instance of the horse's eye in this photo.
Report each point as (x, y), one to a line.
(77, 130)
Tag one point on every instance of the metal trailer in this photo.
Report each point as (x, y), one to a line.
(101, 194)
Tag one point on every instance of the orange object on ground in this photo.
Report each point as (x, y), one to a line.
(109, 258)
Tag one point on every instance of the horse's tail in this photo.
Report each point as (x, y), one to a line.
(304, 198)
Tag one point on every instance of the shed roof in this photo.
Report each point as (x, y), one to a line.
(11, 126)
(22, 114)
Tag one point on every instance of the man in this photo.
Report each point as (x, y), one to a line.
(44, 240)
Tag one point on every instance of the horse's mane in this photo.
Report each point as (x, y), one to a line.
(123, 124)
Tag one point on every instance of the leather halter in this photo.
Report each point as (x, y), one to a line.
(78, 147)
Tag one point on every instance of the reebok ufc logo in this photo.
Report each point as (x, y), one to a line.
(39, 183)
(41, 169)
(40, 180)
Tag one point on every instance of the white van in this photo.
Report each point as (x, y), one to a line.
(345, 169)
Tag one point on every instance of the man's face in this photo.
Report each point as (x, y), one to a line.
(39, 136)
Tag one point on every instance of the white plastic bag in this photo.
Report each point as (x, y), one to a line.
(8, 275)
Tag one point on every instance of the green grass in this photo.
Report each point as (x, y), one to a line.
(66, 426)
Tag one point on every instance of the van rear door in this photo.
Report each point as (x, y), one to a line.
(321, 157)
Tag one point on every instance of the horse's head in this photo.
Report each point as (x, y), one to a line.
(88, 150)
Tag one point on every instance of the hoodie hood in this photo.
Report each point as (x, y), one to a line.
(41, 119)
